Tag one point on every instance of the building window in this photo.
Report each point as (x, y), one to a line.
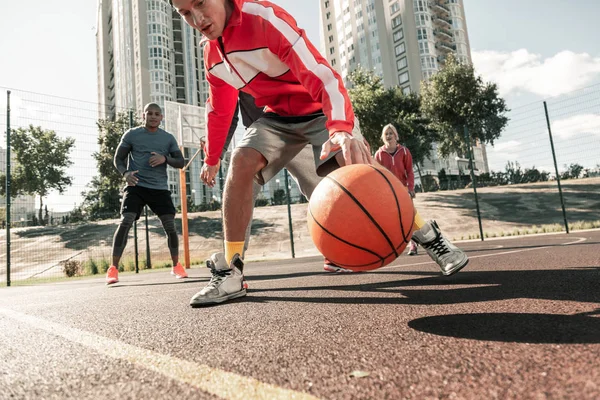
(398, 35)
(394, 8)
(401, 63)
(331, 50)
(396, 21)
(406, 90)
(422, 34)
(403, 77)
(399, 49)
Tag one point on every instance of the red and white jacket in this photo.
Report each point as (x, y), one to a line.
(400, 164)
(263, 53)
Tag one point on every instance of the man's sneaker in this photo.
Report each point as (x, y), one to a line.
(179, 271)
(412, 251)
(449, 257)
(219, 259)
(226, 282)
(331, 267)
(112, 275)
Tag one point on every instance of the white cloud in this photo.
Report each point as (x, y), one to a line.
(521, 71)
(506, 146)
(584, 124)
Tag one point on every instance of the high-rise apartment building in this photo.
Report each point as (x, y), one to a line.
(403, 41)
(146, 53)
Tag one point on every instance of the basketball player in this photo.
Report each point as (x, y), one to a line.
(142, 157)
(397, 158)
(257, 48)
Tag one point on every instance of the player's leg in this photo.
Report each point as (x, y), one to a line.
(266, 147)
(449, 258)
(412, 248)
(161, 204)
(131, 207)
(302, 170)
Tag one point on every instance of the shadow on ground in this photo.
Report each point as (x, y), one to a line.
(577, 285)
(81, 237)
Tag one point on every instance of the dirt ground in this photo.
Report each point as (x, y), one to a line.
(38, 251)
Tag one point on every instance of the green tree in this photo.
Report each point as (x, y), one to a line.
(375, 106)
(42, 160)
(101, 200)
(279, 197)
(574, 171)
(454, 98)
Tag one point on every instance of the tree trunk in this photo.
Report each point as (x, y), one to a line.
(420, 178)
(40, 215)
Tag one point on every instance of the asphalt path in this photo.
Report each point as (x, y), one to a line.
(521, 321)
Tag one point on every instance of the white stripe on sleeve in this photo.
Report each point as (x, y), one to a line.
(299, 46)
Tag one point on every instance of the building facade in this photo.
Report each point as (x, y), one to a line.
(147, 53)
(403, 41)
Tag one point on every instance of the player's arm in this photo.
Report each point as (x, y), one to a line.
(220, 108)
(410, 173)
(175, 159)
(121, 153)
(324, 84)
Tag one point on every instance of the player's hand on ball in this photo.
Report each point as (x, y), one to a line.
(157, 159)
(353, 149)
(208, 173)
(131, 178)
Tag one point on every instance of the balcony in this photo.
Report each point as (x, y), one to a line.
(445, 47)
(440, 9)
(442, 23)
(444, 34)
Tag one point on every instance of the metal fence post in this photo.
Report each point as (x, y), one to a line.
(148, 260)
(562, 201)
(289, 209)
(8, 188)
(473, 179)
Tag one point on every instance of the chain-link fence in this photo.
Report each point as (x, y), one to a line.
(68, 193)
(73, 229)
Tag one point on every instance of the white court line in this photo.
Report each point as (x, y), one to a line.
(226, 385)
(579, 240)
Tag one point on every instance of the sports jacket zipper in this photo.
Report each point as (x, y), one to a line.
(226, 60)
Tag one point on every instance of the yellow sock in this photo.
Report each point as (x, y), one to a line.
(419, 221)
(233, 248)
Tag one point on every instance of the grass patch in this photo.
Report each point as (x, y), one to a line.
(538, 229)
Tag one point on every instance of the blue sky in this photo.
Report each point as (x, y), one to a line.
(52, 50)
(534, 49)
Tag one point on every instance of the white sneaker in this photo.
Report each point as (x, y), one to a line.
(226, 282)
(450, 258)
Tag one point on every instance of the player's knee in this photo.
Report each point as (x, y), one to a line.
(127, 220)
(247, 161)
(168, 223)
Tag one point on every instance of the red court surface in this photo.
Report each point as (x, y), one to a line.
(521, 321)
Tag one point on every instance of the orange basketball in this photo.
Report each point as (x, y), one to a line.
(360, 217)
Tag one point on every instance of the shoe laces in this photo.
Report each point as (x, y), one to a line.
(437, 245)
(218, 275)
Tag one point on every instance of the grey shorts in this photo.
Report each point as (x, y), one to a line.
(279, 142)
